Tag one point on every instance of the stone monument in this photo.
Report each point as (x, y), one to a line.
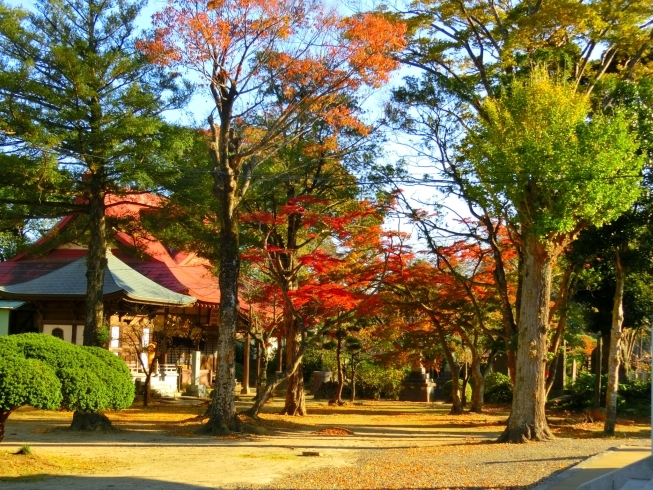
(417, 386)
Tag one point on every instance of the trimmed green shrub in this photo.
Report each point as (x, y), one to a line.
(91, 378)
(498, 388)
(46, 372)
(446, 391)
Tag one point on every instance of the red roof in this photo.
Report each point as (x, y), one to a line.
(181, 272)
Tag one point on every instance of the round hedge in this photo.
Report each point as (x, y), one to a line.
(28, 382)
(89, 378)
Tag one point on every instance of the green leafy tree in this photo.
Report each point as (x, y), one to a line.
(541, 157)
(80, 117)
(465, 51)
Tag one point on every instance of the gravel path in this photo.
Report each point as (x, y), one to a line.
(483, 465)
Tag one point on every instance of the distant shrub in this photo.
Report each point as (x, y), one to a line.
(327, 391)
(446, 391)
(375, 381)
(582, 390)
(498, 388)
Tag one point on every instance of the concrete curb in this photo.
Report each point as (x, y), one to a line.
(640, 470)
(564, 474)
(588, 463)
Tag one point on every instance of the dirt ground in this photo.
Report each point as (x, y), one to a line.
(162, 448)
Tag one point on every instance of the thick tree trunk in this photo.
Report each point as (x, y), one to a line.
(4, 415)
(615, 341)
(146, 390)
(479, 386)
(456, 402)
(89, 421)
(295, 399)
(223, 408)
(96, 262)
(527, 418)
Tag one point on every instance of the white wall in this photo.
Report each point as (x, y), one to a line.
(67, 332)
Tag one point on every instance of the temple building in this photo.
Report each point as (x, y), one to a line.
(146, 285)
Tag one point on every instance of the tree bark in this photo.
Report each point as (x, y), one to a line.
(479, 386)
(271, 385)
(598, 371)
(615, 341)
(146, 391)
(456, 401)
(96, 262)
(223, 408)
(295, 399)
(337, 398)
(4, 415)
(528, 419)
(353, 378)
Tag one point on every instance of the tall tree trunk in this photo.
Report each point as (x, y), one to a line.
(499, 273)
(271, 385)
(463, 391)
(479, 386)
(262, 378)
(295, 399)
(223, 408)
(528, 419)
(337, 397)
(146, 392)
(4, 415)
(598, 371)
(353, 378)
(456, 402)
(96, 262)
(615, 341)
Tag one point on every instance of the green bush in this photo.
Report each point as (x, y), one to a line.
(446, 391)
(48, 373)
(28, 382)
(632, 397)
(498, 388)
(582, 390)
(374, 381)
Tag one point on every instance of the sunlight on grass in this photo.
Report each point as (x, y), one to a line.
(33, 466)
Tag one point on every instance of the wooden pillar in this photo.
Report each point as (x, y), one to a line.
(245, 390)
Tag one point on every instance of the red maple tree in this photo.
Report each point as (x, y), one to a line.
(269, 68)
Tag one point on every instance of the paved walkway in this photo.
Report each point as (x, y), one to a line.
(596, 466)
